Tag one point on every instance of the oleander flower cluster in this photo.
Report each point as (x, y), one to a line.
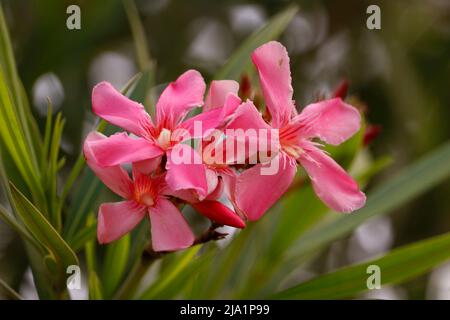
(228, 162)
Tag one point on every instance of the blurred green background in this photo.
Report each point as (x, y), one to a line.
(401, 74)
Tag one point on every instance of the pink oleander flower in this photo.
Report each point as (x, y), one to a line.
(154, 140)
(220, 150)
(332, 121)
(192, 181)
(221, 101)
(145, 195)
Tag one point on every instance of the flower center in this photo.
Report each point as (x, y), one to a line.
(145, 192)
(164, 138)
(146, 199)
(289, 141)
(291, 149)
(213, 156)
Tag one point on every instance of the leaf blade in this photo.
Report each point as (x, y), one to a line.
(412, 181)
(42, 229)
(234, 67)
(397, 266)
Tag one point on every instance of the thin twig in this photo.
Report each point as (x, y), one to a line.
(209, 235)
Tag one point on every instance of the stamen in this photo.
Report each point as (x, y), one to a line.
(144, 191)
(164, 138)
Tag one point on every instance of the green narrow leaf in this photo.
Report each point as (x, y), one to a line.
(32, 123)
(137, 29)
(8, 291)
(22, 232)
(55, 216)
(94, 283)
(90, 248)
(114, 265)
(165, 279)
(47, 136)
(20, 103)
(395, 267)
(90, 186)
(141, 91)
(42, 230)
(43, 280)
(87, 192)
(184, 284)
(75, 173)
(84, 236)
(303, 210)
(136, 266)
(300, 211)
(12, 135)
(228, 260)
(146, 64)
(240, 60)
(95, 289)
(412, 181)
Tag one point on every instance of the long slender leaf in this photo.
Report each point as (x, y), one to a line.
(55, 216)
(95, 289)
(171, 274)
(43, 230)
(146, 64)
(240, 60)
(114, 264)
(23, 233)
(140, 41)
(412, 181)
(47, 135)
(20, 103)
(81, 238)
(9, 292)
(13, 137)
(94, 283)
(88, 190)
(90, 186)
(407, 184)
(395, 267)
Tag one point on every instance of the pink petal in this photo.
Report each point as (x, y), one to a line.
(333, 121)
(212, 180)
(218, 212)
(170, 231)
(185, 170)
(215, 189)
(211, 119)
(247, 116)
(215, 185)
(218, 92)
(187, 195)
(331, 183)
(229, 179)
(121, 148)
(250, 135)
(115, 178)
(148, 166)
(117, 219)
(256, 193)
(179, 97)
(111, 105)
(272, 62)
